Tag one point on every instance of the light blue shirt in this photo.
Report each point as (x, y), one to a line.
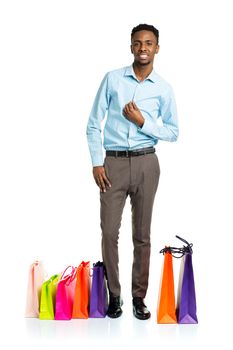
(153, 96)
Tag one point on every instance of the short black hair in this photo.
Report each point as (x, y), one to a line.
(146, 27)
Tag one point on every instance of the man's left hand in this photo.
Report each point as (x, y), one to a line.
(133, 113)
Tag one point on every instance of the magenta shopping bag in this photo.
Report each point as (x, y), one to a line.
(98, 296)
(65, 294)
(186, 302)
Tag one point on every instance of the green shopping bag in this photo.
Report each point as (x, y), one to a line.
(48, 298)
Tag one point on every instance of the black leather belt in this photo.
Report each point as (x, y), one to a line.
(132, 153)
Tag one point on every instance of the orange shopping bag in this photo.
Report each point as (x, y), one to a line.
(166, 312)
(82, 290)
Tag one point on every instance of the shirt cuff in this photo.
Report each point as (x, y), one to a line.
(149, 127)
(97, 160)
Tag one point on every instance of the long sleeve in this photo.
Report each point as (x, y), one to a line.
(93, 130)
(169, 130)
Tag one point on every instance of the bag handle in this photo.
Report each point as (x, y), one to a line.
(173, 251)
(64, 272)
(182, 251)
(188, 248)
(53, 278)
(39, 264)
(68, 278)
(98, 264)
(72, 276)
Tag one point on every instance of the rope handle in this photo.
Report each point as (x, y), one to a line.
(98, 264)
(173, 251)
(188, 248)
(51, 280)
(180, 251)
(38, 263)
(68, 278)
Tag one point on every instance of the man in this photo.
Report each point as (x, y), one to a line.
(141, 110)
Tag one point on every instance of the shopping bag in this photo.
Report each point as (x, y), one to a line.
(186, 300)
(48, 298)
(98, 297)
(82, 290)
(65, 294)
(166, 312)
(36, 278)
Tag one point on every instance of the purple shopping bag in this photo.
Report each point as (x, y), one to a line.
(186, 302)
(98, 296)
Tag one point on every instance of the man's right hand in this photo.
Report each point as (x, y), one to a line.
(101, 178)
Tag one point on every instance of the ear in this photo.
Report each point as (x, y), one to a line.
(131, 48)
(157, 48)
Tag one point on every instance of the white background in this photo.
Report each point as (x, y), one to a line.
(53, 56)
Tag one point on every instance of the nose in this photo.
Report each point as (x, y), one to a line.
(143, 47)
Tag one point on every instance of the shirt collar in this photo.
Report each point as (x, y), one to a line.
(129, 71)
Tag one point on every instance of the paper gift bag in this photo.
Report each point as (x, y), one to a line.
(82, 290)
(65, 294)
(186, 301)
(98, 297)
(48, 298)
(36, 278)
(166, 312)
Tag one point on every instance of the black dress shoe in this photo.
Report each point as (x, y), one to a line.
(140, 310)
(114, 307)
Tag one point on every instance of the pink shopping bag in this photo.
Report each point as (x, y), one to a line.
(36, 278)
(65, 294)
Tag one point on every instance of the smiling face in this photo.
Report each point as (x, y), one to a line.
(144, 46)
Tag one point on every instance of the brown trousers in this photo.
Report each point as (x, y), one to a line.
(137, 177)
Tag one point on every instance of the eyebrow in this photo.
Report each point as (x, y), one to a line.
(142, 41)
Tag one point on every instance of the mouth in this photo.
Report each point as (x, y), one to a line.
(143, 56)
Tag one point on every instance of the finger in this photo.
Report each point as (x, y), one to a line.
(126, 111)
(106, 180)
(102, 184)
(98, 183)
(98, 179)
(131, 108)
(134, 105)
(127, 105)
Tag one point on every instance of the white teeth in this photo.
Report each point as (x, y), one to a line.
(143, 56)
